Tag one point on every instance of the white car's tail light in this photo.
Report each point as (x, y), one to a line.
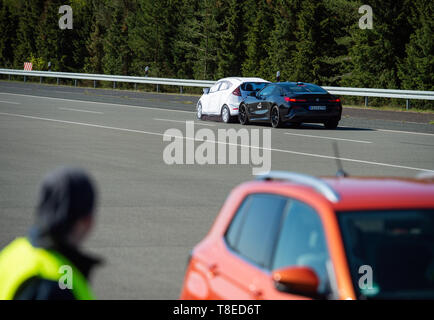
(237, 92)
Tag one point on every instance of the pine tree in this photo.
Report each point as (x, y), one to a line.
(333, 42)
(314, 43)
(8, 25)
(117, 55)
(200, 38)
(28, 20)
(151, 36)
(416, 70)
(283, 41)
(94, 43)
(230, 53)
(53, 44)
(82, 29)
(343, 15)
(186, 41)
(374, 54)
(257, 41)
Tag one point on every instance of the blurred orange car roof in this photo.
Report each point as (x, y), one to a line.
(382, 193)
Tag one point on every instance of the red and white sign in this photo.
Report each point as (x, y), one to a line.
(28, 66)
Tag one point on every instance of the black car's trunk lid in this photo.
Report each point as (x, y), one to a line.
(314, 97)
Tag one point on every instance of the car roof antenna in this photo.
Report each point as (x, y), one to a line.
(341, 172)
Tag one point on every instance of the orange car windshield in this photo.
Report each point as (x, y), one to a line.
(390, 253)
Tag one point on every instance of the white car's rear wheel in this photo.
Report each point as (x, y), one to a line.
(199, 113)
(226, 115)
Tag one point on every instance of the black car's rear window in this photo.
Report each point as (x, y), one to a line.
(302, 88)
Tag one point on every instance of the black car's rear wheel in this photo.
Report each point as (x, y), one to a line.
(275, 117)
(242, 115)
(331, 124)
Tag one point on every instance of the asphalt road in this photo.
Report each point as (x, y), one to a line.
(152, 214)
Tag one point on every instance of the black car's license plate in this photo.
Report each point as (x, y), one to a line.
(318, 108)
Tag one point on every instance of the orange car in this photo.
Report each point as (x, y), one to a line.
(292, 236)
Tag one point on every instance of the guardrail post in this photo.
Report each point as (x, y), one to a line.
(24, 78)
(407, 104)
(366, 101)
(180, 90)
(158, 88)
(135, 86)
(40, 79)
(94, 84)
(58, 81)
(9, 77)
(75, 82)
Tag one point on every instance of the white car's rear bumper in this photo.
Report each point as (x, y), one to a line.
(233, 108)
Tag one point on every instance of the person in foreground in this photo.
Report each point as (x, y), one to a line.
(48, 264)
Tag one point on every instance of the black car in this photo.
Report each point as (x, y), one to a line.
(291, 102)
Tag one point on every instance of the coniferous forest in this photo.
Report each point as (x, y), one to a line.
(314, 41)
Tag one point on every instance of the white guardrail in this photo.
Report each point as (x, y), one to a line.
(360, 92)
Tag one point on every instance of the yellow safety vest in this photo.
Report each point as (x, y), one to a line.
(20, 261)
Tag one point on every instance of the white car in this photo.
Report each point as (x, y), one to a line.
(224, 97)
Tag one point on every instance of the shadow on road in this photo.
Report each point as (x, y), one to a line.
(304, 126)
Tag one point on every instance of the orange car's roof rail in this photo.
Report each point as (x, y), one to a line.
(319, 185)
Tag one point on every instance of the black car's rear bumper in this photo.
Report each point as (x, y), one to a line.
(303, 114)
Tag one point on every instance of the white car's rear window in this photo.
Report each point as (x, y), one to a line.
(253, 86)
(225, 85)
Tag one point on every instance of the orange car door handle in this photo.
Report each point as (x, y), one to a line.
(213, 269)
(255, 291)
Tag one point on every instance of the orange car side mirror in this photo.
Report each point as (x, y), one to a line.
(297, 280)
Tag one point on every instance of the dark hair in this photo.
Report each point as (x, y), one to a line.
(66, 196)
